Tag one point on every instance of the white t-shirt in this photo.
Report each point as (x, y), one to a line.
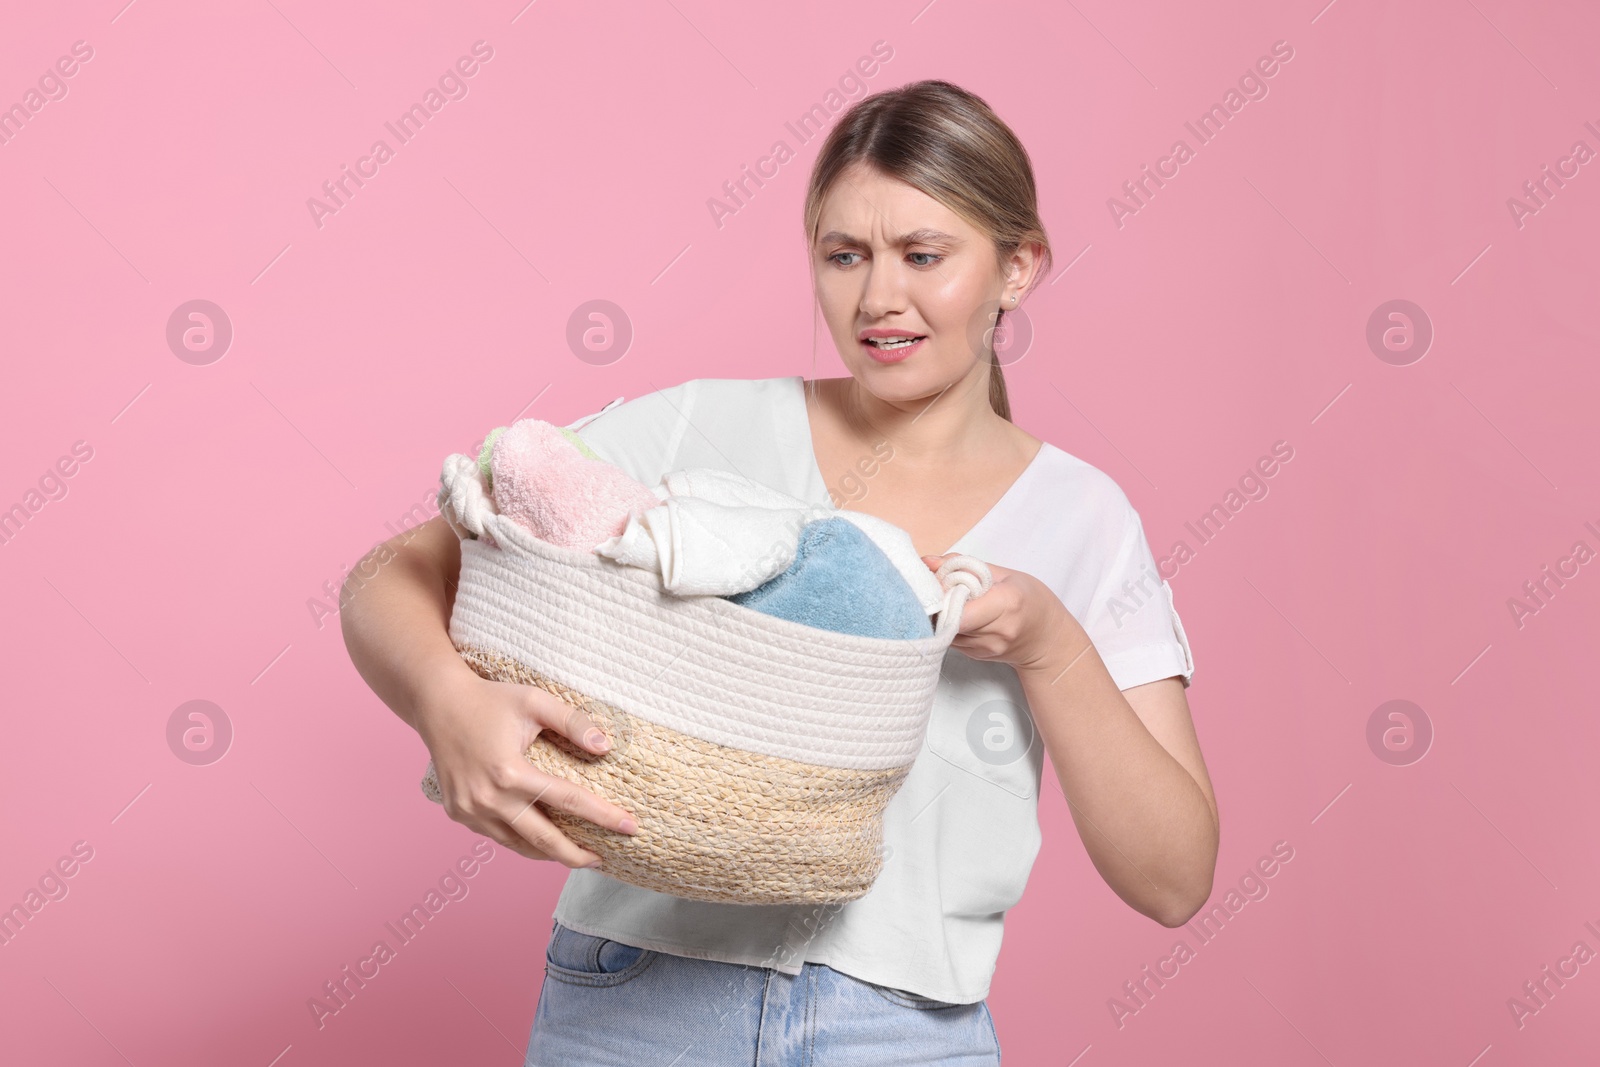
(963, 830)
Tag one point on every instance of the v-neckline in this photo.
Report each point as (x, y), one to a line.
(820, 481)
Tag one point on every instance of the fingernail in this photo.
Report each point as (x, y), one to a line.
(587, 866)
(627, 826)
(596, 740)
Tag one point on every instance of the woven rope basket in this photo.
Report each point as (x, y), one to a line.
(756, 753)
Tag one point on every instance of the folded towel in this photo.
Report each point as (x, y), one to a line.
(544, 483)
(704, 549)
(494, 435)
(841, 581)
(725, 487)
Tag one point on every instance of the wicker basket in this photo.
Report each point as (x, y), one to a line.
(757, 753)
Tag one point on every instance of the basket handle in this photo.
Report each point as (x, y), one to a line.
(963, 577)
(469, 508)
(463, 500)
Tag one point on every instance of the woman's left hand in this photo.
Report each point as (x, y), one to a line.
(1018, 621)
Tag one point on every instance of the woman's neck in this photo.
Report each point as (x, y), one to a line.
(947, 428)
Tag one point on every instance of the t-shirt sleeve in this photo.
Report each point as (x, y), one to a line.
(641, 435)
(1132, 619)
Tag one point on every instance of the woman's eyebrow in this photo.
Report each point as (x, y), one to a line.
(915, 237)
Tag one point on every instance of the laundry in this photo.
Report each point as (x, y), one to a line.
(708, 533)
(494, 435)
(841, 581)
(718, 533)
(544, 483)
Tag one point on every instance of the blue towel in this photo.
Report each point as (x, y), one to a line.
(841, 581)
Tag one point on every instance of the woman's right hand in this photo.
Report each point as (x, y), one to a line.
(477, 731)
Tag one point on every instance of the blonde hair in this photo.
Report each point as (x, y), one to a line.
(947, 143)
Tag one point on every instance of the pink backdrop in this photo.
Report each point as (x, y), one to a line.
(182, 513)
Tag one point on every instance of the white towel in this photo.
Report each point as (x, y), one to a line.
(716, 533)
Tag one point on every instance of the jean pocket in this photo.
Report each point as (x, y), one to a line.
(907, 999)
(584, 959)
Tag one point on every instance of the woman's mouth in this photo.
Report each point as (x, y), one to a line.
(892, 349)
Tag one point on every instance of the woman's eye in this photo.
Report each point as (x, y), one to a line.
(934, 258)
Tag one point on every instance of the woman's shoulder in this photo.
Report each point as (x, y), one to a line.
(674, 397)
(700, 400)
(643, 435)
(746, 389)
(1066, 479)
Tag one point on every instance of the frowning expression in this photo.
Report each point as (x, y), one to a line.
(901, 280)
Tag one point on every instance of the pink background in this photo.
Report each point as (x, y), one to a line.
(1228, 313)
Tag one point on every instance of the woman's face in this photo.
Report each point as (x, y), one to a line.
(891, 260)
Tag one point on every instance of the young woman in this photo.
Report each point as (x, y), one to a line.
(923, 230)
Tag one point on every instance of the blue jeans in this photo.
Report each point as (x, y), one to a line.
(614, 1005)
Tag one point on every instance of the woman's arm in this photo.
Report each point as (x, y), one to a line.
(396, 623)
(1129, 764)
(396, 628)
(1131, 769)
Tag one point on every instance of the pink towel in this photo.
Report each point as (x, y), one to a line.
(543, 483)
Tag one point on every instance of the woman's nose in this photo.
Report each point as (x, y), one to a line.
(881, 295)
